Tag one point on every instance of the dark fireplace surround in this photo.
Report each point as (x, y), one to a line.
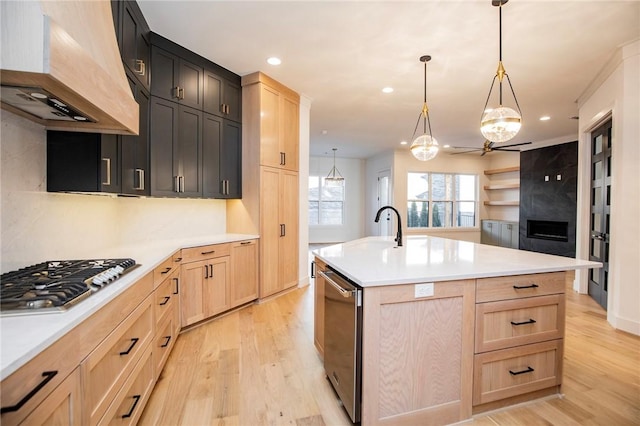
(548, 198)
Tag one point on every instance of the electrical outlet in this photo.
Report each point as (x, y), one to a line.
(423, 290)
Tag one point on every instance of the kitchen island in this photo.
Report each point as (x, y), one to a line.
(451, 328)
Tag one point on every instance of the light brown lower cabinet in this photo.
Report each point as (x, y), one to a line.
(61, 407)
(215, 285)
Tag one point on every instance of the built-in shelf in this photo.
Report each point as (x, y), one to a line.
(502, 186)
(502, 203)
(505, 170)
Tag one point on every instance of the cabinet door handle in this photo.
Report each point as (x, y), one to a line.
(313, 269)
(181, 93)
(107, 166)
(176, 183)
(528, 370)
(283, 158)
(134, 340)
(166, 343)
(177, 288)
(521, 287)
(48, 375)
(181, 183)
(211, 274)
(530, 321)
(176, 92)
(141, 68)
(133, 407)
(166, 271)
(165, 301)
(283, 230)
(206, 272)
(139, 174)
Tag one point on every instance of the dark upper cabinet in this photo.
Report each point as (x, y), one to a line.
(176, 150)
(133, 38)
(221, 158)
(176, 79)
(222, 97)
(135, 149)
(82, 162)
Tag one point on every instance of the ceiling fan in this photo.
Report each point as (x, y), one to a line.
(488, 147)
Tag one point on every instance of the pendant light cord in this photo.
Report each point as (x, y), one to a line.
(425, 112)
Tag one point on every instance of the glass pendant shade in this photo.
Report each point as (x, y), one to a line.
(425, 147)
(500, 124)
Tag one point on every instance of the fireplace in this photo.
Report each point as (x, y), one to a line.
(548, 230)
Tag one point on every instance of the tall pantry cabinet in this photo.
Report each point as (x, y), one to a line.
(269, 205)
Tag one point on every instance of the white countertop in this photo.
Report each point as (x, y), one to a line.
(25, 336)
(376, 261)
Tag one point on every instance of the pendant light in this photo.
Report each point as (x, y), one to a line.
(503, 123)
(424, 147)
(334, 178)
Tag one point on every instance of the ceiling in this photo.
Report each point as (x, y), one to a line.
(340, 54)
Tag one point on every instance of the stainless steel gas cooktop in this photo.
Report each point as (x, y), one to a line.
(54, 286)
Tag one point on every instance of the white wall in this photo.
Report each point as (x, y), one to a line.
(373, 167)
(36, 225)
(353, 226)
(303, 182)
(615, 93)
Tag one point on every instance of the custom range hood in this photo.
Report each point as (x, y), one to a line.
(60, 66)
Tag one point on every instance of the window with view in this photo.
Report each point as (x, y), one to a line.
(326, 202)
(441, 200)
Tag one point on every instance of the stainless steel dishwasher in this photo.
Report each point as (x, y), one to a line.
(343, 339)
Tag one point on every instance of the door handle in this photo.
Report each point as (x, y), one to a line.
(139, 173)
(107, 166)
(206, 271)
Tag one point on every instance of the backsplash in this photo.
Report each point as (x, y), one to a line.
(36, 225)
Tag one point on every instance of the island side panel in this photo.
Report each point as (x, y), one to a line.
(418, 354)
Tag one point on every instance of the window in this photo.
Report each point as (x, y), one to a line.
(326, 202)
(441, 200)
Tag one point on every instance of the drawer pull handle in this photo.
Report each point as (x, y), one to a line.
(167, 342)
(528, 370)
(133, 343)
(133, 407)
(207, 252)
(177, 290)
(531, 321)
(167, 298)
(245, 243)
(521, 287)
(177, 259)
(166, 271)
(48, 375)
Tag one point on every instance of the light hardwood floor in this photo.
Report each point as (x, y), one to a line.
(258, 366)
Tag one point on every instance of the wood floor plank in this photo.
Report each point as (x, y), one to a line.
(258, 366)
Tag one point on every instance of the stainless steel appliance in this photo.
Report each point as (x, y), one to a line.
(54, 286)
(343, 339)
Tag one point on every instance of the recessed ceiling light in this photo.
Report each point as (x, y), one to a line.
(545, 118)
(274, 61)
(403, 143)
(387, 90)
(446, 146)
(324, 132)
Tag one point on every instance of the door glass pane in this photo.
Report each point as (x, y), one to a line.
(596, 194)
(596, 222)
(608, 195)
(597, 170)
(417, 214)
(466, 213)
(595, 275)
(608, 166)
(597, 145)
(606, 281)
(595, 248)
(607, 229)
(606, 252)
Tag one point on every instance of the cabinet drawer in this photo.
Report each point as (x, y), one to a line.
(108, 366)
(163, 343)
(130, 401)
(162, 271)
(517, 322)
(165, 297)
(519, 286)
(205, 252)
(510, 372)
(61, 407)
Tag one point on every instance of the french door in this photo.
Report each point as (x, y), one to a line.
(600, 212)
(384, 199)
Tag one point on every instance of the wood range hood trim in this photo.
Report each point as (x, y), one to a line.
(69, 49)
